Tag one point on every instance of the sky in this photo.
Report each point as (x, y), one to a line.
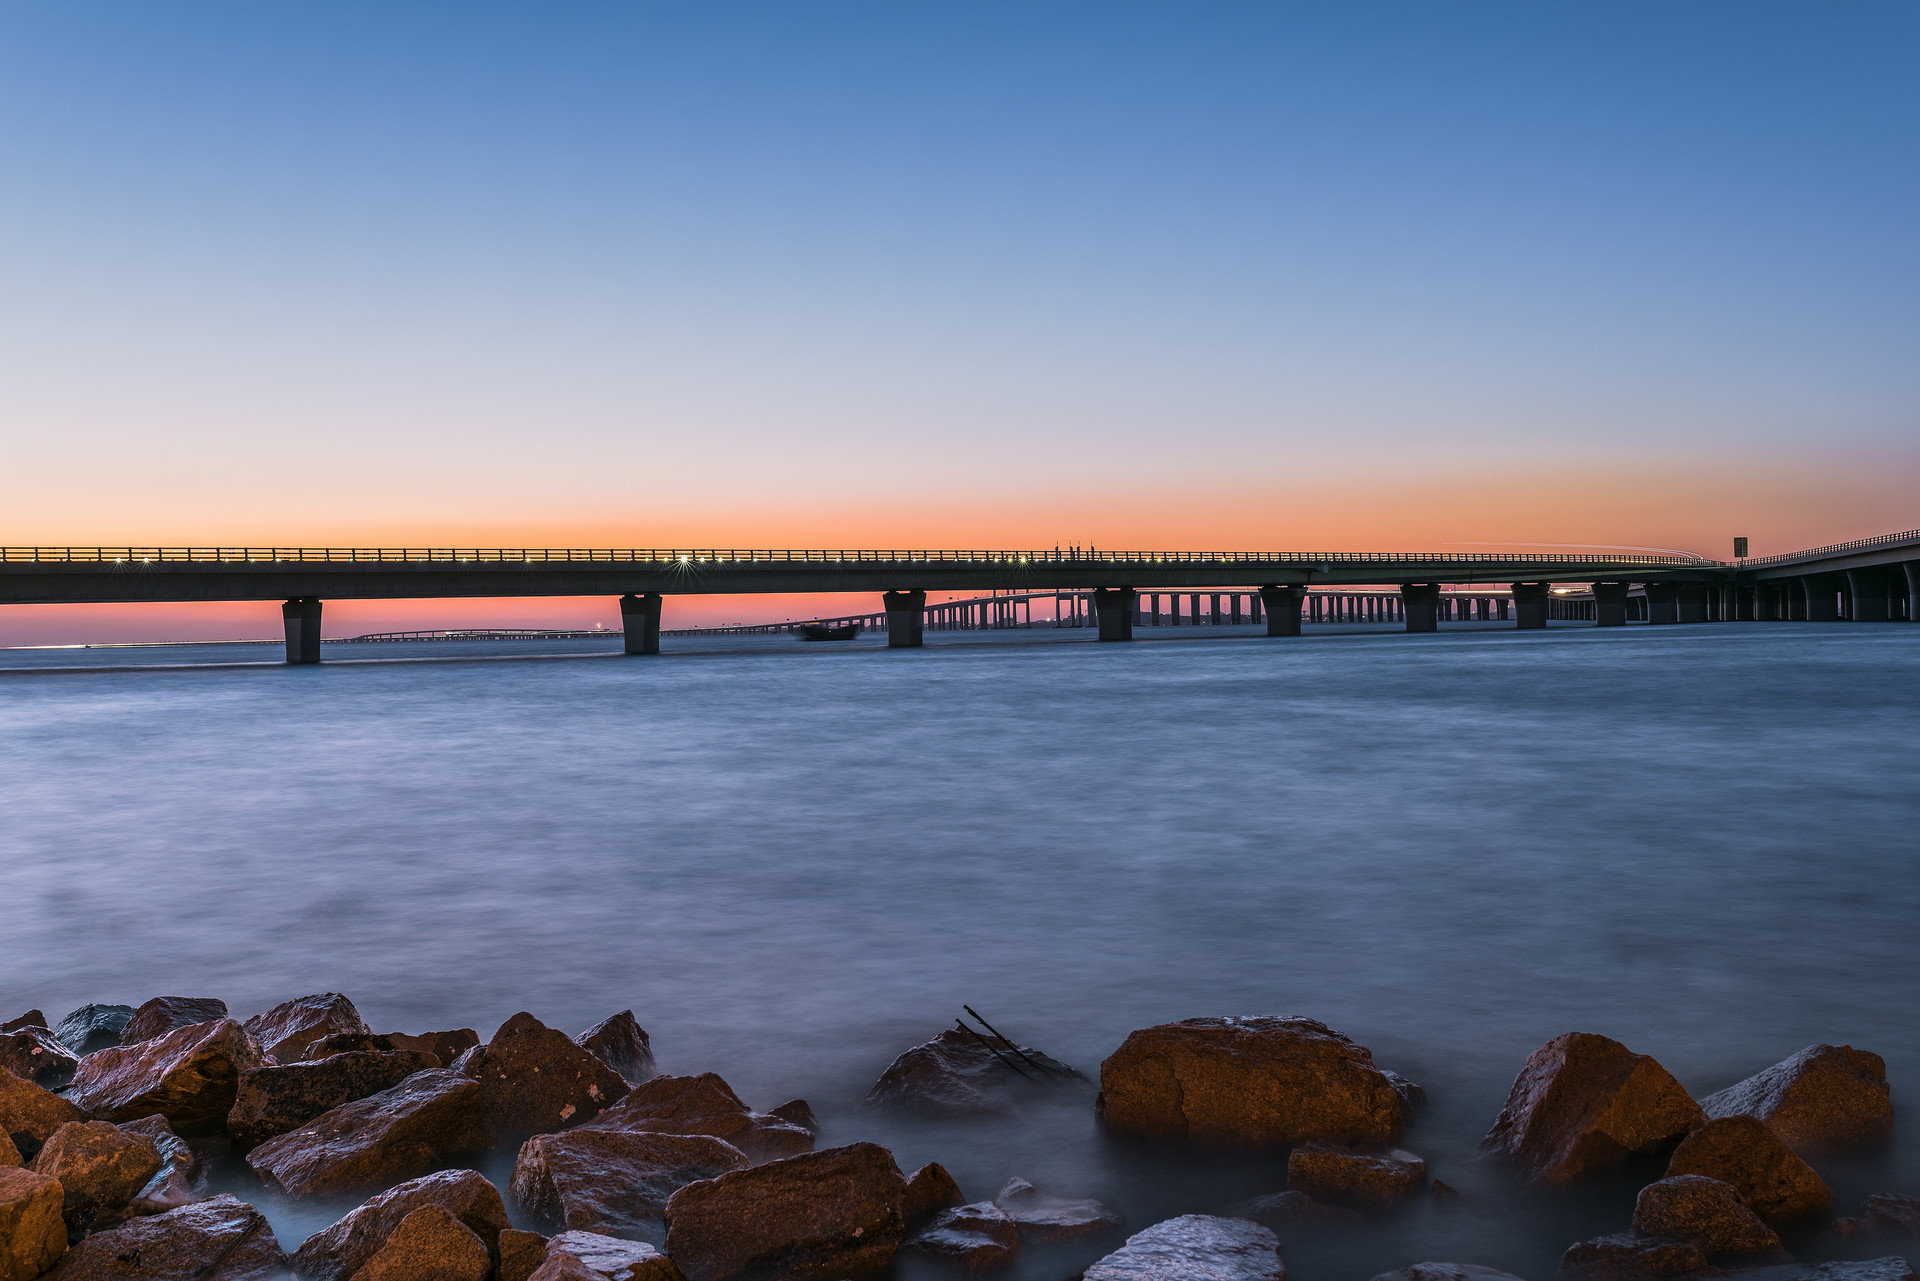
(1355, 276)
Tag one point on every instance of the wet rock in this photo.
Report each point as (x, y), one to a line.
(956, 1074)
(1891, 1268)
(1043, 1219)
(1444, 1192)
(1413, 1096)
(187, 1075)
(179, 1181)
(32, 1234)
(978, 1237)
(613, 1181)
(349, 1042)
(9, 1154)
(818, 1217)
(929, 1188)
(219, 1239)
(534, 1080)
(1826, 1098)
(33, 1054)
(1446, 1272)
(395, 1134)
(29, 1115)
(797, 1112)
(1745, 1152)
(1294, 1211)
(286, 1030)
(521, 1254)
(1582, 1104)
(1707, 1212)
(32, 1018)
(275, 1099)
(1886, 1213)
(1248, 1082)
(1627, 1256)
(445, 1046)
(590, 1256)
(1340, 1174)
(337, 1252)
(100, 1167)
(164, 1014)
(621, 1043)
(1195, 1247)
(93, 1027)
(705, 1104)
(428, 1245)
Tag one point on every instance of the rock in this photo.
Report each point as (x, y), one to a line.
(1826, 1098)
(445, 1046)
(337, 1252)
(219, 1239)
(613, 1181)
(1292, 1211)
(797, 1112)
(1891, 1268)
(164, 1014)
(1889, 1213)
(29, 1115)
(929, 1188)
(1745, 1152)
(286, 1030)
(1446, 1272)
(32, 1018)
(621, 1043)
(349, 1042)
(93, 1027)
(1413, 1096)
(393, 1135)
(9, 1154)
(821, 1216)
(1444, 1192)
(1043, 1219)
(187, 1075)
(957, 1075)
(1250, 1082)
(705, 1104)
(979, 1237)
(277, 1098)
(521, 1254)
(534, 1080)
(1340, 1174)
(34, 1054)
(32, 1234)
(1627, 1256)
(591, 1256)
(100, 1167)
(1195, 1247)
(1707, 1212)
(429, 1245)
(1582, 1104)
(179, 1180)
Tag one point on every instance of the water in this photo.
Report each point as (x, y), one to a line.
(795, 861)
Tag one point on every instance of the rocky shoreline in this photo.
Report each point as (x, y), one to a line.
(110, 1118)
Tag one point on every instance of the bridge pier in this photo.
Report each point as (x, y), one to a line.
(640, 620)
(1868, 587)
(1113, 606)
(1610, 604)
(1912, 569)
(1822, 592)
(302, 617)
(1281, 605)
(1530, 601)
(1421, 604)
(1663, 602)
(906, 619)
(1693, 602)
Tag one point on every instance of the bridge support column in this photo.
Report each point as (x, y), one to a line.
(1530, 601)
(1113, 606)
(1693, 602)
(1822, 591)
(906, 619)
(1663, 602)
(640, 620)
(1868, 588)
(1282, 607)
(1421, 604)
(302, 617)
(1610, 604)
(1912, 569)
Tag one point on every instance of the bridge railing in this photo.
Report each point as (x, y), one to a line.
(1832, 549)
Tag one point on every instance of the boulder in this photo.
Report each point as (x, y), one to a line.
(797, 1112)
(276, 1098)
(621, 1043)
(1886, 1213)
(1446, 1272)
(187, 1075)
(9, 1154)
(1043, 1219)
(1195, 1247)
(100, 1167)
(393, 1135)
(164, 1014)
(1295, 1212)
(1707, 1212)
(32, 1234)
(590, 1256)
(428, 1245)
(957, 1074)
(613, 1181)
(219, 1239)
(445, 1046)
(978, 1237)
(337, 1252)
(286, 1030)
(1250, 1082)
(705, 1104)
(179, 1181)
(1891, 1268)
(34, 1054)
(1628, 1256)
(347, 1042)
(1582, 1104)
(521, 1254)
(821, 1216)
(29, 1115)
(534, 1080)
(1745, 1152)
(929, 1188)
(1826, 1098)
(32, 1018)
(93, 1027)
(1334, 1173)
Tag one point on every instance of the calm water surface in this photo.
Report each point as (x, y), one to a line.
(795, 861)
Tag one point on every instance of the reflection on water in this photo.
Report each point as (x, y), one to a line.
(794, 861)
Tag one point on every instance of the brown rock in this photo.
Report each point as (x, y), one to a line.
(979, 1237)
(188, 1075)
(219, 1239)
(1195, 1246)
(1892, 1268)
(9, 1154)
(100, 1168)
(1627, 1256)
(592, 1256)
(521, 1254)
(797, 1112)
(350, 1042)
(428, 1245)
(164, 1014)
(1892, 1213)
(29, 1115)
(818, 1217)
(1745, 1152)
(445, 1046)
(1446, 1272)
(1249, 1082)
(1582, 1104)
(705, 1104)
(956, 1074)
(179, 1181)
(1707, 1212)
(393, 1135)
(32, 1235)
(337, 1252)
(534, 1080)
(277, 1098)
(1043, 1219)
(1826, 1098)
(621, 1043)
(929, 1188)
(286, 1030)
(34, 1054)
(613, 1181)
(1341, 1174)
(1295, 1211)
(93, 1027)
(32, 1018)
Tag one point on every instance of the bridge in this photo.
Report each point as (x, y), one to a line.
(1845, 581)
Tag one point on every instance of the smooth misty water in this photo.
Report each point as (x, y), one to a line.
(795, 861)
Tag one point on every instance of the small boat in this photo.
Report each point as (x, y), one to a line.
(822, 632)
